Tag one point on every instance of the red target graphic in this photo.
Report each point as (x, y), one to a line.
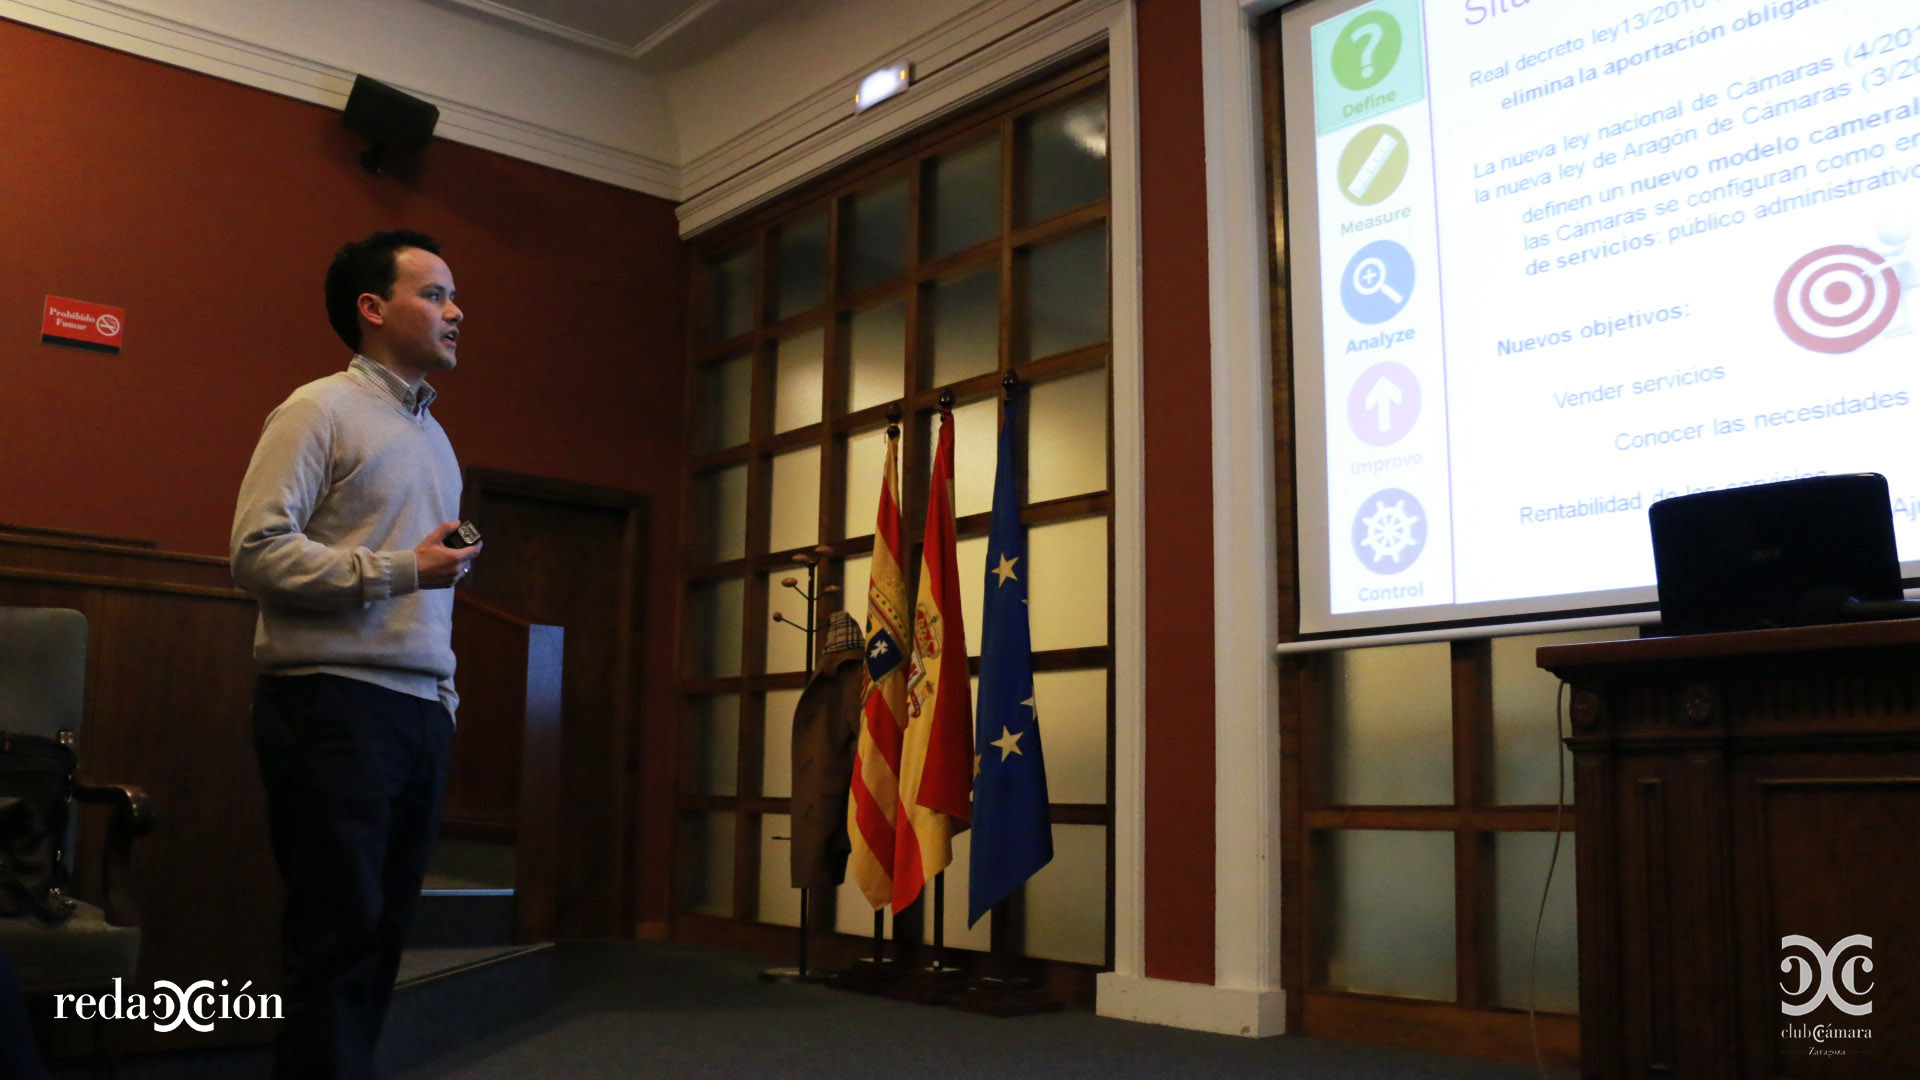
(1837, 298)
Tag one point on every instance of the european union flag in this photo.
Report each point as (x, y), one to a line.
(1012, 835)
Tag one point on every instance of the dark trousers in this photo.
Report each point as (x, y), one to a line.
(353, 774)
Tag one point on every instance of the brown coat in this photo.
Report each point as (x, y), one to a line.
(826, 728)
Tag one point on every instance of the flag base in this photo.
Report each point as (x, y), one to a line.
(868, 976)
(794, 975)
(1017, 996)
(928, 985)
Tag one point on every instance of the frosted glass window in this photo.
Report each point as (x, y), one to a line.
(726, 399)
(705, 858)
(1067, 898)
(959, 936)
(1389, 904)
(1073, 728)
(786, 645)
(1067, 594)
(866, 460)
(720, 515)
(1390, 735)
(730, 294)
(1520, 873)
(799, 371)
(963, 192)
(713, 628)
(1066, 293)
(779, 900)
(1067, 436)
(1066, 149)
(976, 447)
(802, 266)
(853, 584)
(1526, 745)
(795, 513)
(877, 354)
(710, 745)
(970, 556)
(966, 325)
(874, 225)
(776, 757)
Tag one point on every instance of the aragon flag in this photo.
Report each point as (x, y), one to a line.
(936, 755)
(1012, 830)
(872, 808)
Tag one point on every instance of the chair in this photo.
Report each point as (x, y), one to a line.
(43, 672)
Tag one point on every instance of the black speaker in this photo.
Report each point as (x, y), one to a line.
(390, 119)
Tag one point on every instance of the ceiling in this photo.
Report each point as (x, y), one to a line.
(657, 33)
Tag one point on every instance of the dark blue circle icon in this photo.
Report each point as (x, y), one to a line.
(1377, 282)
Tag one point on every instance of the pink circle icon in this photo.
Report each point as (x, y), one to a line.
(1836, 299)
(107, 325)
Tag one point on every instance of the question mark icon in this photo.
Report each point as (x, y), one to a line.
(1366, 50)
(1372, 33)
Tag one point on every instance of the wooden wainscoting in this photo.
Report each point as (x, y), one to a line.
(168, 704)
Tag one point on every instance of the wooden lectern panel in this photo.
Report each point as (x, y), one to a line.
(1748, 808)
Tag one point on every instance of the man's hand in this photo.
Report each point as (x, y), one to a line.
(442, 567)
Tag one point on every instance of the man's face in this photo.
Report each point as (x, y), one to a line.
(420, 326)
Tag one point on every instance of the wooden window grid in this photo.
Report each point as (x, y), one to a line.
(913, 158)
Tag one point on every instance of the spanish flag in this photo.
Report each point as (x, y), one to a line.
(876, 765)
(936, 756)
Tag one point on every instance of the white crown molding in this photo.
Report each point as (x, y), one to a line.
(594, 41)
(172, 41)
(986, 49)
(1197, 1006)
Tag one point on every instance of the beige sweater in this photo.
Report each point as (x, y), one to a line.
(346, 479)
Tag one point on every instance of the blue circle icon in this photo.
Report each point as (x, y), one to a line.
(1389, 531)
(1377, 282)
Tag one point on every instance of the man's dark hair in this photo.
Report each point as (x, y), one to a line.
(366, 266)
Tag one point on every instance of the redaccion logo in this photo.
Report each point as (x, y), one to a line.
(1836, 299)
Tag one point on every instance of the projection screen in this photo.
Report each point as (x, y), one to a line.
(1555, 260)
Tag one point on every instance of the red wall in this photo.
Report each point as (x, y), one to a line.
(1179, 495)
(209, 211)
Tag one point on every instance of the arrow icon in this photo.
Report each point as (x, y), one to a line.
(1381, 400)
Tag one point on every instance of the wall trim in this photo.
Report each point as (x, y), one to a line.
(979, 53)
(184, 45)
(1245, 584)
(1129, 501)
(1197, 1006)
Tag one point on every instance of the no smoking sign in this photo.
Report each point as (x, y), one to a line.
(79, 324)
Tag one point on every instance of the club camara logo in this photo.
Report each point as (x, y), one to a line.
(1816, 974)
(198, 1005)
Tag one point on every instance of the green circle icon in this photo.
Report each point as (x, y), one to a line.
(1366, 50)
(1373, 164)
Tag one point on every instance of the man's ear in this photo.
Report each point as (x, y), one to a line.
(372, 308)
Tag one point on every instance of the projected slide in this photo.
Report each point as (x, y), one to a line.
(1576, 256)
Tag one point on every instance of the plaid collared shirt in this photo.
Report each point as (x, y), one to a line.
(410, 399)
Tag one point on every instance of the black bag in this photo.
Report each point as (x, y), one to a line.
(36, 785)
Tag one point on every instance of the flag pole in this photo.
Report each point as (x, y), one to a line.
(871, 976)
(999, 990)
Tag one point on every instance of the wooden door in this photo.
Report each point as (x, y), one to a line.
(572, 555)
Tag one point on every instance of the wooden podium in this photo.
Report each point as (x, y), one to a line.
(1739, 798)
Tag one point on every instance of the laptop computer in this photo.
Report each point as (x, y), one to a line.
(1770, 555)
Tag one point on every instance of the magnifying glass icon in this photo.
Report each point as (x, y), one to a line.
(1370, 276)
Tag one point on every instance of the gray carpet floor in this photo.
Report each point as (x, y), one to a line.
(662, 1011)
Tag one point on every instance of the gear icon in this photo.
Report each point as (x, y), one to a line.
(1389, 531)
